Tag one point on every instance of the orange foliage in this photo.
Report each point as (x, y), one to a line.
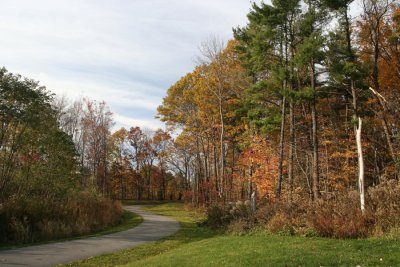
(259, 163)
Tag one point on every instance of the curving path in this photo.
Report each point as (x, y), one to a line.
(152, 228)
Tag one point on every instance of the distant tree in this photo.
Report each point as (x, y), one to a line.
(161, 142)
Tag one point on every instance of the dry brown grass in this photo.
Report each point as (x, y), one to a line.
(24, 220)
(337, 215)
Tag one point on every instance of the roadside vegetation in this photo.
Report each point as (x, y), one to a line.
(338, 216)
(196, 244)
(42, 196)
(127, 221)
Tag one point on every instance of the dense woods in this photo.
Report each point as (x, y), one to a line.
(279, 107)
(300, 108)
(299, 112)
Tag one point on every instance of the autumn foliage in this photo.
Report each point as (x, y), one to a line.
(294, 114)
(278, 112)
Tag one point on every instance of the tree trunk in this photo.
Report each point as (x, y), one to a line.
(222, 172)
(291, 149)
(360, 166)
(357, 132)
(281, 142)
(215, 157)
(315, 161)
(383, 118)
(199, 172)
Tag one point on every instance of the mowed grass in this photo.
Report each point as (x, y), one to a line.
(199, 246)
(274, 250)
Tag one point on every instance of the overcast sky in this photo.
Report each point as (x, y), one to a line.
(126, 52)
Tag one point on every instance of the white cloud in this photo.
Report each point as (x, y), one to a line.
(130, 95)
(128, 122)
(126, 52)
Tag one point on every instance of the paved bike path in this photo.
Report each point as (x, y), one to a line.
(152, 228)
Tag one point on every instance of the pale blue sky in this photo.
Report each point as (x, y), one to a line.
(126, 52)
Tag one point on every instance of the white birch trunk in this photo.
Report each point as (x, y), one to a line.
(360, 166)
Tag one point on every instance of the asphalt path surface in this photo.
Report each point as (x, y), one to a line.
(152, 228)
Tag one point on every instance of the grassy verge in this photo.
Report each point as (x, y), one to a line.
(128, 220)
(199, 246)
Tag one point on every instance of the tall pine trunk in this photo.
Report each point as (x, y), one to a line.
(315, 160)
(281, 148)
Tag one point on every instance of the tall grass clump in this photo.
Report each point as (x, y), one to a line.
(30, 219)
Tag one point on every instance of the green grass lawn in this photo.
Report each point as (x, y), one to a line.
(128, 221)
(199, 246)
(272, 250)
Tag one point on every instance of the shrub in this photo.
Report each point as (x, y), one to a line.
(221, 215)
(384, 202)
(25, 220)
(280, 224)
(340, 217)
(288, 218)
(218, 216)
(240, 226)
(336, 215)
(21, 229)
(253, 221)
(265, 213)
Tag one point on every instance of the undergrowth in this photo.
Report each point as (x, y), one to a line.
(337, 215)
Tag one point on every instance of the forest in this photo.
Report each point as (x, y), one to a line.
(298, 112)
(300, 108)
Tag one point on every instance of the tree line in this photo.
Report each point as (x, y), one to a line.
(121, 164)
(301, 103)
